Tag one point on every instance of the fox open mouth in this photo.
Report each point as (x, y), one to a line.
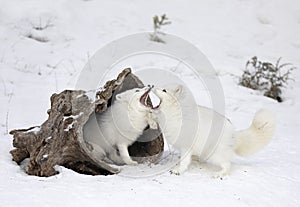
(146, 101)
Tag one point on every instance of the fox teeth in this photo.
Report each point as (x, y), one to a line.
(145, 102)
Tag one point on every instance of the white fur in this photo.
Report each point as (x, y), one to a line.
(214, 138)
(257, 135)
(111, 132)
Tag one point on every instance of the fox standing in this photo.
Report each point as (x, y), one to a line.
(111, 132)
(214, 139)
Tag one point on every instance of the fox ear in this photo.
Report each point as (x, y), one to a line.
(178, 90)
(122, 97)
(119, 97)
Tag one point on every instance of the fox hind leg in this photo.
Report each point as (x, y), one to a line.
(183, 164)
(115, 157)
(225, 170)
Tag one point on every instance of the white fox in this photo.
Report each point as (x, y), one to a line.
(111, 132)
(213, 138)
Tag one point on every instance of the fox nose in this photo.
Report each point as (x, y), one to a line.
(150, 86)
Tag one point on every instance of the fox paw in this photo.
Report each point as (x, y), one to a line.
(221, 175)
(176, 171)
(131, 162)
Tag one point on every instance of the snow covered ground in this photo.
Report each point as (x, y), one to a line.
(227, 32)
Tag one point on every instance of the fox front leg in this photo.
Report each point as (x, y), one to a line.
(151, 120)
(125, 155)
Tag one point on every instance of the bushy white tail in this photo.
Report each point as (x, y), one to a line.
(257, 136)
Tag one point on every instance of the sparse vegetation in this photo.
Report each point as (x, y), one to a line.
(37, 30)
(267, 77)
(43, 25)
(158, 22)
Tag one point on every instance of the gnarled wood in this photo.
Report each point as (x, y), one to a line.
(59, 140)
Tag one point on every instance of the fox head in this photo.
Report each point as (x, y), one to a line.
(135, 98)
(170, 95)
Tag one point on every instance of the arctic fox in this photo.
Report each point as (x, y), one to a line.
(110, 133)
(202, 133)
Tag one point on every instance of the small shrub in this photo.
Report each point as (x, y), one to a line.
(158, 22)
(43, 25)
(266, 77)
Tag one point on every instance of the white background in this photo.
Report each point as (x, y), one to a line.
(228, 32)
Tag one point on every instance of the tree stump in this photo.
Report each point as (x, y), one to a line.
(60, 141)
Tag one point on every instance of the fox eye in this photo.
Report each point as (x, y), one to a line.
(164, 90)
(137, 90)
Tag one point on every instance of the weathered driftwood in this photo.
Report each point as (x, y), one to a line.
(59, 140)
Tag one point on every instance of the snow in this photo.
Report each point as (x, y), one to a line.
(35, 130)
(227, 32)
